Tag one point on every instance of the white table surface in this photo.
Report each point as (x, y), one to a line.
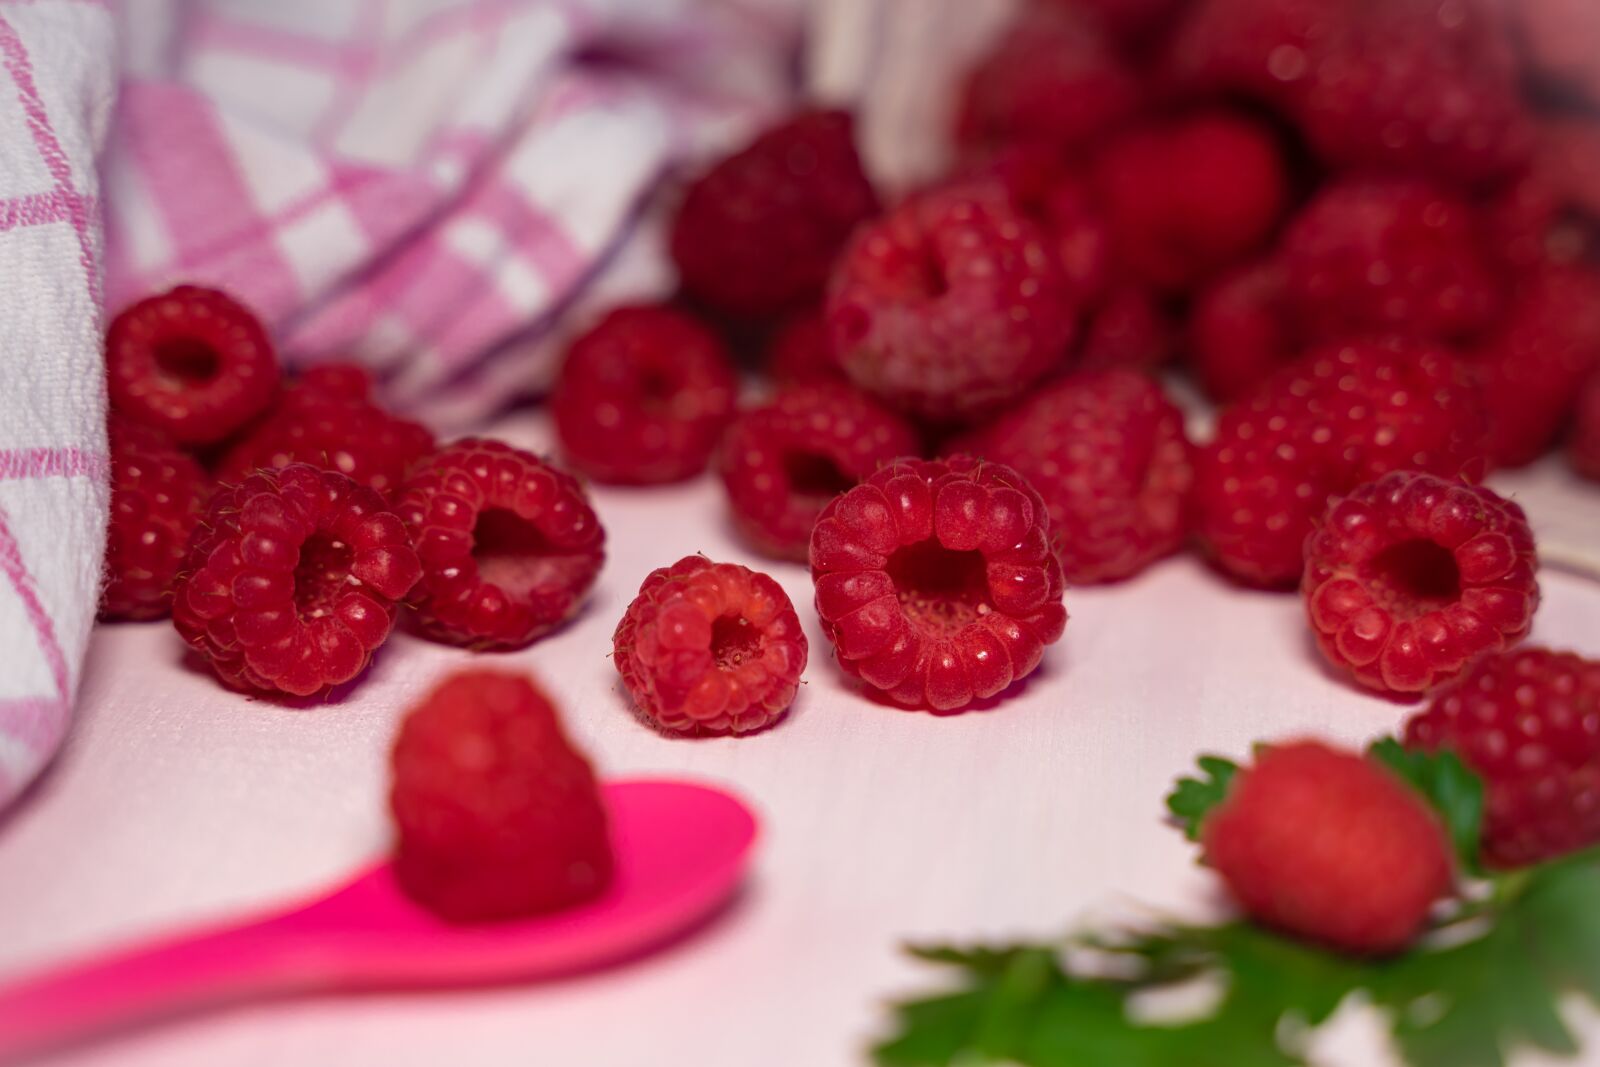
(178, 802)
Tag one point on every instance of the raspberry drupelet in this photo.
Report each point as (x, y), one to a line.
(291, 581)
(497, 815)
(1330, 846)
(643, 396)
(509, 544)
(951, 305)
(327, 418)
(783, 461)
(193, 363)
(756, 234)
(1409, 578)
(710, 648)
(1528, 722)
(936, 581)
(1108, 454)
(1340, 416)
(158, 494)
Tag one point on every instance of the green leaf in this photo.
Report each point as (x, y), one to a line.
(1193, 798)
(1474, 1002)
(1453, 790)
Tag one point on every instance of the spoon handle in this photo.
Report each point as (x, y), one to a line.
(164, 977)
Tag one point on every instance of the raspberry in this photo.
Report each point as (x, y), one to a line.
(509, 544)
(1418, 86)
(710, 648)
(1331, 847)
(1107, 453)
(1240, 330)
(328, 420)
(1186, 197)
(951, 305)
(1389, 254)
(292, 580)
(1583, 450)
(643, 397)
(783, 461)
(1409, 86)
(157, 497)
(1411, 577)
(191, 362)
(498, 815)
(1052, 81)
(936, 582)
(800, 353)
(1341, 416)
(1534, 364)
(1528, 722)
(1130, 329)
(757, 233)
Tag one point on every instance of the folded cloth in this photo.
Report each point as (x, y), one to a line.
(56, 94)
(434, 188)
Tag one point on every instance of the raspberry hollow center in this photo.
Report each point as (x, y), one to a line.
(1415, 577)
(184, 362)
(941, 589)
(321, 575)
(513, 554)
(734, 640)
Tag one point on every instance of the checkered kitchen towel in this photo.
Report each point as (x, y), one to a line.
(432, 187)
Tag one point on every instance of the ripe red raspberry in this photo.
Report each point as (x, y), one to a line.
(1240, 330)
(951, 305)
(291, 580)
(157, 497)
(1376, 255)
(1528, 722)
(1410, 86)
(327, 419)
(643, 396)
(1052, 81)
(1534, 364)
(783, 461)
(1583, 450)
(498, 815)
(509, 544)
(1411, 577)
(192, 363)
(1341, 416)
(1331, 847)
(1129, 329)
(710, 648)
(756, 234)
(1186, 197)
(936, 582)
(1108, 454)
(800, 353)
(1418, 86)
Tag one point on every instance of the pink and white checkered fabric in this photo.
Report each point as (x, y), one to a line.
(56, 93)
(421, 185)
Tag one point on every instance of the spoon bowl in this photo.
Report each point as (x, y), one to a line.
(681, 850)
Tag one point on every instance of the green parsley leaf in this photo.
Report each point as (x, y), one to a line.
(1193, 798)
(1473, 1002)
(1453, 790)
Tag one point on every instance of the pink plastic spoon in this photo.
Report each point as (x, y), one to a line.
(681, 850)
